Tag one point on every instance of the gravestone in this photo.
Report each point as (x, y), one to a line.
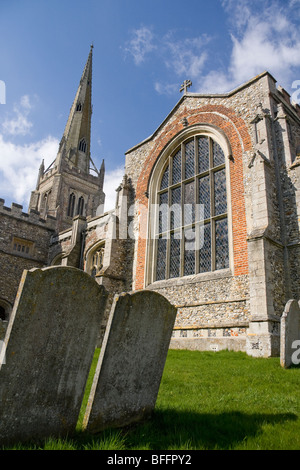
(289, 332)
(131, 361)
(50, 342)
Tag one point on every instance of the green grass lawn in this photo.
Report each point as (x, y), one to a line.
(211, 400)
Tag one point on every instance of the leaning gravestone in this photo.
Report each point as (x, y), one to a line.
(131, 361)
(289, 332)
(50, 342)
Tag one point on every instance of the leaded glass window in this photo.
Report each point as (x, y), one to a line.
(97, 261)
(192, 226)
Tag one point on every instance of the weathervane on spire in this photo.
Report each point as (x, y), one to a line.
(186, 84)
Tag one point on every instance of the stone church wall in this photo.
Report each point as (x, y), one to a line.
(24, 244)
(262, 202)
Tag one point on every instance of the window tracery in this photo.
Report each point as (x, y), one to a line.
(192, 224)
(97, 258)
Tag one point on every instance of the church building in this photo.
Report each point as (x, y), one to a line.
(207, 214)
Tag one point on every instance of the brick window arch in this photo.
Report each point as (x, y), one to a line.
(189, 209)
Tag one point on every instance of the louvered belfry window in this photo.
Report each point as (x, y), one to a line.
(192, 227)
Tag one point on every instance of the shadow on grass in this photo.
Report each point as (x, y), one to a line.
(183, 430)
(170, 430)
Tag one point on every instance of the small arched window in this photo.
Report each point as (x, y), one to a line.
(95, 260)
(191, 234)
(78, 107)
(82, 145)
(71, 205)
(80, 206)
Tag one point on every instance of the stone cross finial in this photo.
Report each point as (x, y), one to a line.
(186, 84)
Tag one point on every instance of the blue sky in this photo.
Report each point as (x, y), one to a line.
(143, 50)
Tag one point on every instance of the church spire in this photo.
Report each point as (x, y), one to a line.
(75, 143)
(67, 188)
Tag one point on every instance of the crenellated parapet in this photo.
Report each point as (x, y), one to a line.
(32, 217)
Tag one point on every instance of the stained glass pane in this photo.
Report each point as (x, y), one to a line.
(205, 249)
(189, 159)
(163, 212)
(161, 259)
(220, 192)
(189, 203)
(189, 252)
(176, 168)
(175, 255)
(176, 208)
(218, 154)
(203, 151)
(222, 256)
(165, 179)
(204, 195)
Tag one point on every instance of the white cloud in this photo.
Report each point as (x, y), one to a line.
(264, 36)
(25, 102)
(185, 57)
(112, 181)
(271, 43)
(140, 44)
(19, 123)
(214, 82)
(19, 163)
(166, 88)
(19, 166)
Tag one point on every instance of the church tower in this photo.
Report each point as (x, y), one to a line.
(67, 187)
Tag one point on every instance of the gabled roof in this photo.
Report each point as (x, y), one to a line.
(201, 95)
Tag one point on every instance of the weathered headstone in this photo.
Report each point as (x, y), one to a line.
(289, 332)
(50, 342)
(131, 361)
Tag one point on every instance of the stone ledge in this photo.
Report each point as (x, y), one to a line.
(206, 326)
(209, 344)
(194, 279)
(212, 302)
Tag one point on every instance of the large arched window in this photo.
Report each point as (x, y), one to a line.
(191, 222)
